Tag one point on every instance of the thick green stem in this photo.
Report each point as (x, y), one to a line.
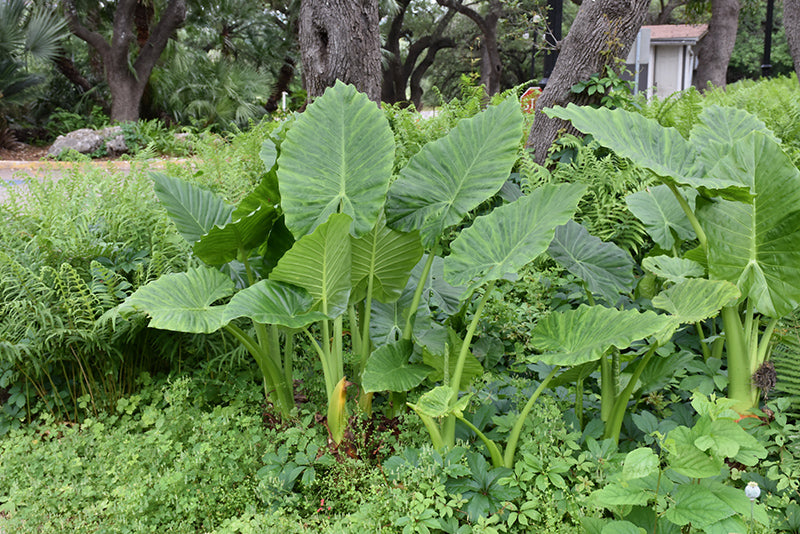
(513, 437)
(408, 331)
(739, 379)
(491, 446)
(449, 425)
(327, 368)
(579, 401)
(701, 235)
(288, 357)
(607, 393)
(614, 423)
(455, 380)
(703, 344)
(337, 349)
(365, 343)
(355, 332)
(766, 338)
(323, 358)
(272, 374)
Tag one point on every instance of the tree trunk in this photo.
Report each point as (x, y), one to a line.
(714, 51)
(791, 24)
(126, 77)
(491, 66)
(603, 31)
(340, 40)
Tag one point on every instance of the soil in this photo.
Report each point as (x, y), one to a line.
(24, 153)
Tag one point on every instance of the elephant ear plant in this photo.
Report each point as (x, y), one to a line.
(731, 188)
(308, 245)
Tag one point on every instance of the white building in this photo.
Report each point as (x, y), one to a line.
(663, 58)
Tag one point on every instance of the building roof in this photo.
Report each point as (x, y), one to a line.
(677, 33)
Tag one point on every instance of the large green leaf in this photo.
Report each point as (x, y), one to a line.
(183, 302)
(194, 211)
(440, 402)
(661, 214)
(662, 150)
(441, 347)
(673, 269)
(223, 244)
(696, 299)
(320, 263)
(385, 257)
(755, 245)
(454, 174)
(266, 195)
(697, 505)
(388, 369)
(586, 333)
(606, 268)
(500, 243)
(723, 127)
(272, 302)
(337, 158)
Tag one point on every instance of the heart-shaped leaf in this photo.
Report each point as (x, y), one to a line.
(336, 158)
(585, 334)
(183, 302)
(388, 369)
(454, 174)
(320, 263)
(606, 268)
(271, 302)
(511, 236)
(194, 211)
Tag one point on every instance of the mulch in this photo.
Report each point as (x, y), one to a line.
(24, 153)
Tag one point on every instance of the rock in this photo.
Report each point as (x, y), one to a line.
(115, 141)
(87, 141)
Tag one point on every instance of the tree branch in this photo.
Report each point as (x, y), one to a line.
(94, 39)
(171, 19)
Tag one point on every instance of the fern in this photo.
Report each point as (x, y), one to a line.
(786, 359)
(609, 179)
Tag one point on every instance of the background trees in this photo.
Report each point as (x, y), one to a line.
(26, 34)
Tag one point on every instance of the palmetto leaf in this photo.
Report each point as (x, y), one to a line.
(454, 174)
(43, 34)
(500, 243)
(336, 158)
(194, 211)
(183, 302)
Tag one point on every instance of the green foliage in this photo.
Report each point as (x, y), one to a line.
(609, 179)
(70, 256)
(688, 489)
(154, 463)
(62, 121)
(611, 90)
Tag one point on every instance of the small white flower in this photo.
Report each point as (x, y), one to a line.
(752, 491)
